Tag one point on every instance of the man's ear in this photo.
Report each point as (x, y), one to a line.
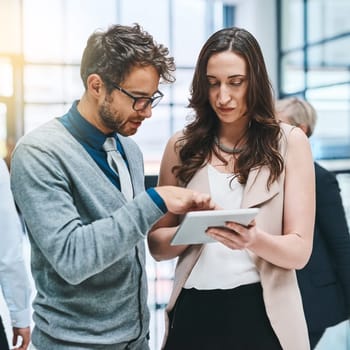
(94, 84)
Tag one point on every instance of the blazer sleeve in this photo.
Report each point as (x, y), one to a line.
(332, 223)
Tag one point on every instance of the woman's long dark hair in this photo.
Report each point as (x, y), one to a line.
(263, 135)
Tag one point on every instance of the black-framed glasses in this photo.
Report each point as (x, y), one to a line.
(140, 102)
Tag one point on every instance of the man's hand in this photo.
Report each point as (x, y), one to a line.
(181, 200)
(24, 333)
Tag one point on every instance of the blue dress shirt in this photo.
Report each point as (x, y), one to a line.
(14, 280)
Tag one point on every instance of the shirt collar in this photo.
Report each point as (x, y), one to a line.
(84, 130)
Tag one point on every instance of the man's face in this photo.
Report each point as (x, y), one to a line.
(116, 111)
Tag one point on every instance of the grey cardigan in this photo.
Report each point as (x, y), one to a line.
(88, 253)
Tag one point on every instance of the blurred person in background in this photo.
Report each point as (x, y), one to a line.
(325, 281)
(14, 280)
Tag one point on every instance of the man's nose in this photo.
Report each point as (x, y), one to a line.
(146, 112)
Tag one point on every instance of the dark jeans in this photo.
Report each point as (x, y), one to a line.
(3, 340)
(232, 319)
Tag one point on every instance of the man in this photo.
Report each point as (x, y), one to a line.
(325, 281)
(14, 281)
(87, 222)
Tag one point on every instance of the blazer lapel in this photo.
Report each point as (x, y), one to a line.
(200, 182)
(255, 191)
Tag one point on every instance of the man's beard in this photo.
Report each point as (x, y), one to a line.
(109, 119)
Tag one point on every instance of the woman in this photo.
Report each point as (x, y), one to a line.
(236, 150)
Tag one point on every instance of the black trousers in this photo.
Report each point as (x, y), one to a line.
(232, 319)
(3, 340)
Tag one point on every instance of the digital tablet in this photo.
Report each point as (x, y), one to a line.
(194, 224)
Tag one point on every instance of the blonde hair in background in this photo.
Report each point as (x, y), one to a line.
(298, 112)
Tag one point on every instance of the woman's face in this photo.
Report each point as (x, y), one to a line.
(227, 80)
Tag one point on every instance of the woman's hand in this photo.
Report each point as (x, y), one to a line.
(234, 235)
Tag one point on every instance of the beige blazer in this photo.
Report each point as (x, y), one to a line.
(280, 289)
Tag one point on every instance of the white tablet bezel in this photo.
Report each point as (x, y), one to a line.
(193, 226)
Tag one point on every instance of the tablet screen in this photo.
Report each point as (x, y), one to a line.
(193, 226)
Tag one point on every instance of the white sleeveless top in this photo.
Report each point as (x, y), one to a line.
(219, 267)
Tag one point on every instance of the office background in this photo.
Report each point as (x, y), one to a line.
(306, 44)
